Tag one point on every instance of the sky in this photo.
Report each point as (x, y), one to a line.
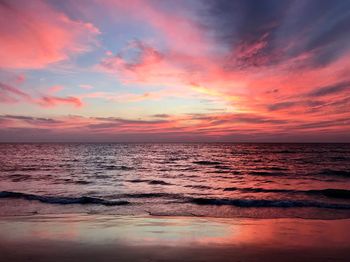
(174, 71)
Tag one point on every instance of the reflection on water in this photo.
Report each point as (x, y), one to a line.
(218, 180)
(179, 231)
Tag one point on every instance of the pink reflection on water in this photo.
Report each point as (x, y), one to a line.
(177, 231)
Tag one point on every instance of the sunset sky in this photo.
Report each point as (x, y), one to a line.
(180, 70)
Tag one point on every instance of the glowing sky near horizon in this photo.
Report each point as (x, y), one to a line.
(184, 70)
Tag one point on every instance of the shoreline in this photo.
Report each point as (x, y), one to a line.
(91, 237)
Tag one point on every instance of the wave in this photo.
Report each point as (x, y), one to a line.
(222, 167)
(244, 203)
(266, 203)
(72, 181)
(138, 181)
(19, 177)
(158, 182)
(198, 186)
(82, 182)
(330, 172)
(83, 200)
(265, 173)
(206, 163)
(19, 169)
(112, 167)
(277, 168)
(151, 182)
(153, 195)
(284, 152)
(329, 192)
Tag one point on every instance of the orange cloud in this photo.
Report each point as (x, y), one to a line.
(264, 89)
(256, 74)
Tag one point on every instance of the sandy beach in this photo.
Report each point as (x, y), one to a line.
(77, 237)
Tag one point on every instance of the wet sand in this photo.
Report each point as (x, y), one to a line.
(77, 237)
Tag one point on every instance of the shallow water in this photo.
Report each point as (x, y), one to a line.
(81, 237)
(220, 180)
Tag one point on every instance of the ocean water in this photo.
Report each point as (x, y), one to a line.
(194, 179)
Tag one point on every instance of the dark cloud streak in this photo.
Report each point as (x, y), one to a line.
(329, 90)
(287, 29)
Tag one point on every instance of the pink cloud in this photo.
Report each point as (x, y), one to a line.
(150, 67)
(247, 89)
(265, 87)
(29, 40)
(50, 101)
(173, 24)
(55, 89)
(202, 126)
(11, 94)
(20, 78)
(244, 74)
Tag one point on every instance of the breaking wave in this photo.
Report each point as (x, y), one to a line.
(266, 203)
(83, 200)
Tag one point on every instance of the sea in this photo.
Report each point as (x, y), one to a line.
(225, 180)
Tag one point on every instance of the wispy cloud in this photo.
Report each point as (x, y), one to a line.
(34, 35)
(11, 94)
